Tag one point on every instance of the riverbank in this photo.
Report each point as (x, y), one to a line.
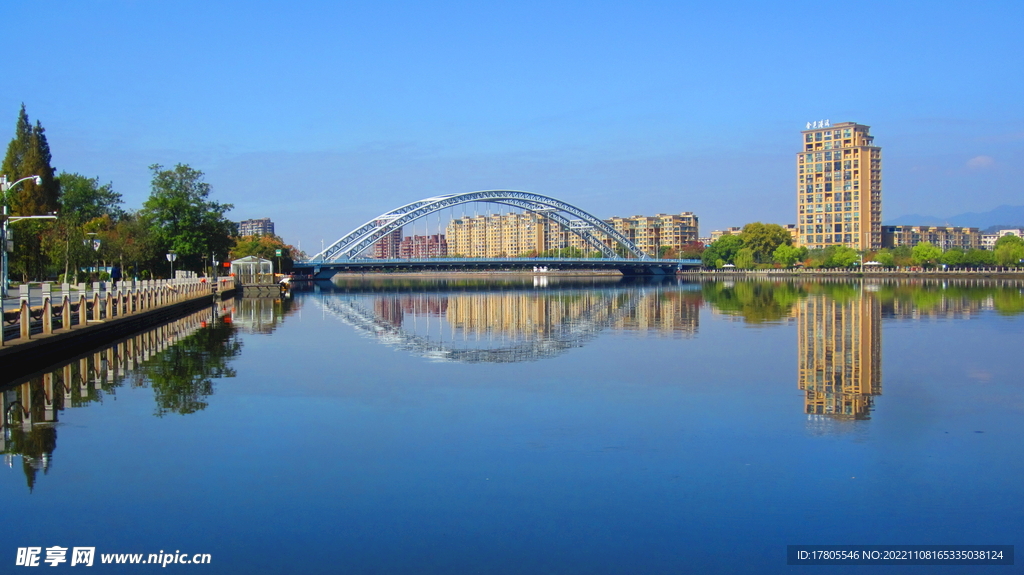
(996, 273)
(23, 355)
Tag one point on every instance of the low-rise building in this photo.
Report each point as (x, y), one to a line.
(733, 231)
(943, 237)
(650, 233)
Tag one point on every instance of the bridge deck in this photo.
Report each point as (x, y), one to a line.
(325, 270)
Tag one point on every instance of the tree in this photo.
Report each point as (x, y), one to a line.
(265, 247)
(691, 251)
(840, 257)
(976, 257)
(1009, 250)
(28, 154)
(902, 256)
(885, 257)
(925, 253)
(745, 258)
(952, 257)
(724, 248)
(82, 200)
(130, 243)
(763, 239)
(182, 218)
(786, 255)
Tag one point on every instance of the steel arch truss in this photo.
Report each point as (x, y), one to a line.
(369, 233)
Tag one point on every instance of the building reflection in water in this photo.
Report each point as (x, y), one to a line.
(514, 325)
(839, 351)
(178, 360)
(262, 315)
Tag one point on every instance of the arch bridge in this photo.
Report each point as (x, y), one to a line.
(342, 254)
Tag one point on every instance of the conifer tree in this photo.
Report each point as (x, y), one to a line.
(28, 154)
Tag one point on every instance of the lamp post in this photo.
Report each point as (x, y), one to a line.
(171, 256)
(213, 260)
(94, 243)
(5, 245)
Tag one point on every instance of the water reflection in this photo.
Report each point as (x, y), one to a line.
(514, 325)
(839, 350)
(178, 360)
(839, 335)
(472, 320)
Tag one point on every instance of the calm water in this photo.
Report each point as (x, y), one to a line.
(533, 426)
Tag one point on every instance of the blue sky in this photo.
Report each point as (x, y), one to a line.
(321, 115)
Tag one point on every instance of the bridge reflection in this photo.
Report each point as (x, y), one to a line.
(514, 325)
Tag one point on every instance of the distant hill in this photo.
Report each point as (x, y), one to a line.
(1003, 216)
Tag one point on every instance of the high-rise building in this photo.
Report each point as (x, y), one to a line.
(839, 187)
(260, 227)
(419, 247)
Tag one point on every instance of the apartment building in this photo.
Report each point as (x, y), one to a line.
(839, 187)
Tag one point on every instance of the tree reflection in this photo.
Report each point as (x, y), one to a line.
(182, 375)
(179, 360)
(754, 302)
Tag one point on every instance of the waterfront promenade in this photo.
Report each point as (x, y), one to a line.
(46, 323)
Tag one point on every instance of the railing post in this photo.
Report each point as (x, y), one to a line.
(47, 308)
(65, 306)
(96, 308)
(23, 311)
(108, 302)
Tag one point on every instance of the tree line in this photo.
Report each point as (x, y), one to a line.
(761, 245)
(93, 231)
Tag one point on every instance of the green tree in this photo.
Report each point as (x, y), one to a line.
(952, 257)
(28, 154)
(183, 218)
(763, 239)
(1009, 250)
(885, 257)
(786, 255)
(976, 257)
(925, 253)
(82, 199)
(902, 256)
(745, 259)
(724, 248)
(840, 257)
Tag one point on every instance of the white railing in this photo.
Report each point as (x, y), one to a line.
(78, 306)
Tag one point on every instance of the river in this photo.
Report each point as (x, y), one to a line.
(532, 425)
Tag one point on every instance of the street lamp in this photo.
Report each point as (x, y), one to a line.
(171, 256)
(213, 259)
(5, 245)
(94, 243)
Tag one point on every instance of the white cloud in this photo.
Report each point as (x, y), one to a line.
(980, 162)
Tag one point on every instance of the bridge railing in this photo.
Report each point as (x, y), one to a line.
(73, 308)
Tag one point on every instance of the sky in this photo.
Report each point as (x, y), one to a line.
(322, 115)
